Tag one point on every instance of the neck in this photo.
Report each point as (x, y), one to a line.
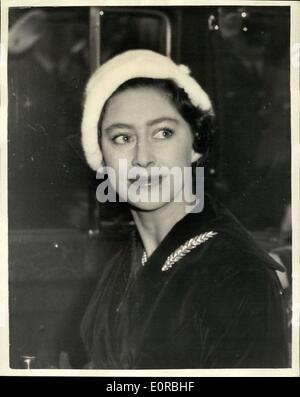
(154, 225)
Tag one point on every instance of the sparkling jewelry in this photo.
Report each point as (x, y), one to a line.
(144, 258)
(185, 248)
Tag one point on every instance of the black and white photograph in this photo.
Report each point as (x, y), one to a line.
(150, 187)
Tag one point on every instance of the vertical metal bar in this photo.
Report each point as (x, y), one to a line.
(178, 35)
(95, 40)
(168, 35)
(94, 56)
(216, 78)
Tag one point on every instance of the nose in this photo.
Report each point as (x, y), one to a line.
(143, 156)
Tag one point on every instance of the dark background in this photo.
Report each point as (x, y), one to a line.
(59, 235)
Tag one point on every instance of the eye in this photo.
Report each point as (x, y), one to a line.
(163, 133)
(121, 139)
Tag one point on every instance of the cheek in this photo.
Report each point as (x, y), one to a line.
(117, 162)
(111, 153)
(179, 153)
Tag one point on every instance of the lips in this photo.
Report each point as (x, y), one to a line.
(148, 181)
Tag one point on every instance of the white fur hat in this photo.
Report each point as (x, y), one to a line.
(128, 65)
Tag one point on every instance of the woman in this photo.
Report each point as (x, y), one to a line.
(192, 290)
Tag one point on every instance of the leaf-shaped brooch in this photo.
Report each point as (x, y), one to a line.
(185, 248)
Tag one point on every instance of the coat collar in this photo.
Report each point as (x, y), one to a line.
(214, 221)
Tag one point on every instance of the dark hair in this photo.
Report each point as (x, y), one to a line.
(201, 123)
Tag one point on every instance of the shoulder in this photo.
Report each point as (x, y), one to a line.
(232, 259)
(232, 248)
(233, 280)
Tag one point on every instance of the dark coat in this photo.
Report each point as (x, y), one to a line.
(220, 306)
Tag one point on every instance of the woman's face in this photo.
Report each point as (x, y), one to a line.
(143, 128)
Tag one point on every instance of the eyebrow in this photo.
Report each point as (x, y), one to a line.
(111, 127)
(150, 123)
(161, 119)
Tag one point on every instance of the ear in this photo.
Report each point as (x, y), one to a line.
(195, 156)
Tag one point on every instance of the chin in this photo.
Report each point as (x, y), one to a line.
(147, 206)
